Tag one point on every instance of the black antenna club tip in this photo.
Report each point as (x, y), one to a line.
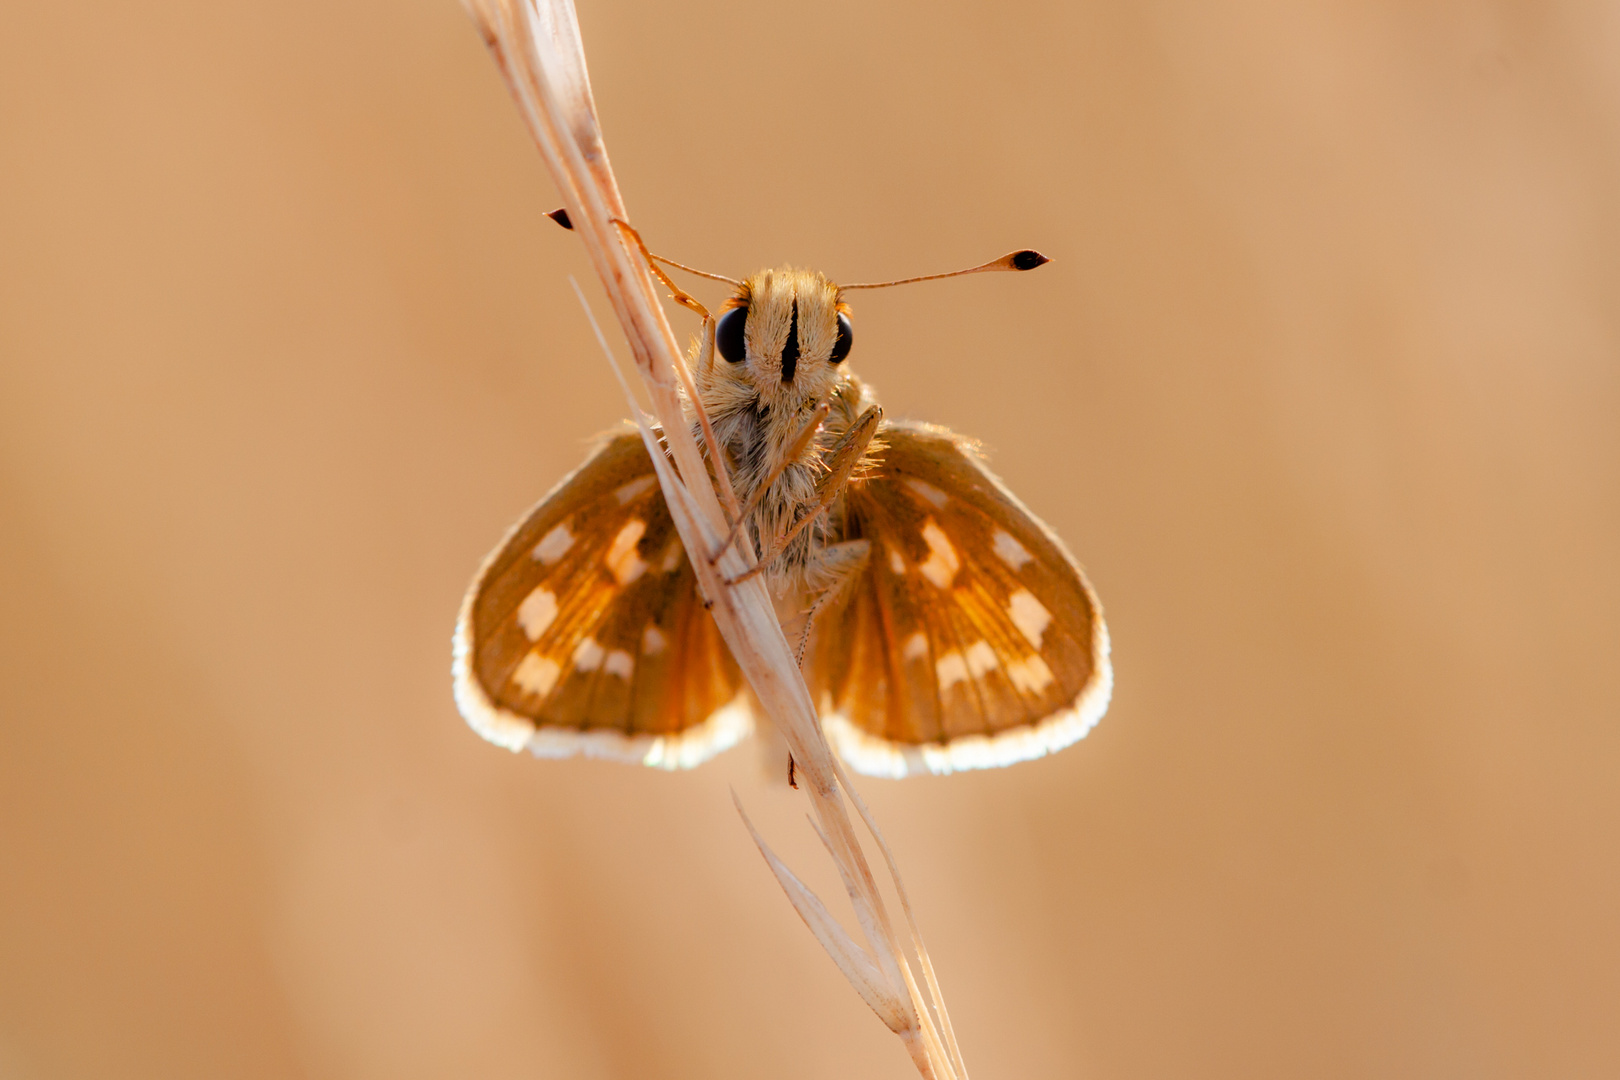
(560, 216)
(1028, 260)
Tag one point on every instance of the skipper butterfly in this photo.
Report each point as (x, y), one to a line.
(942, 625)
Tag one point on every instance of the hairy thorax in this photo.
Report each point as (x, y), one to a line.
(757, 435)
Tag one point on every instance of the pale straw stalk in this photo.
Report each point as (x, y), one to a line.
(537, 45)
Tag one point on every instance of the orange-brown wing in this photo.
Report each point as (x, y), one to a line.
(584, 633)
(971, 639)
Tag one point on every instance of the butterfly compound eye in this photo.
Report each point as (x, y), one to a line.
(728, 335)
(846, 338)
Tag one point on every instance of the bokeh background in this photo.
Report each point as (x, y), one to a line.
(1323, 387)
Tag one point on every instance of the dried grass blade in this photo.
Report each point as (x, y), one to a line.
(537, 48)
(855, 962)
(902, 969)
(923, 959)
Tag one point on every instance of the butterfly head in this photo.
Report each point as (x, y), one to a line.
(786, 333)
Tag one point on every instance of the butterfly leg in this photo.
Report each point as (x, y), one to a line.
(800, 443)
(845, 454)
(839, 565)
(717, 454)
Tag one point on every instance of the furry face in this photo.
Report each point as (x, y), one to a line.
(781, 337)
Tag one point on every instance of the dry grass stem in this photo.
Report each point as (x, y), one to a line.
(536, 43)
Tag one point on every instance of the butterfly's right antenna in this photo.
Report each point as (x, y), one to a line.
(680, 296)
(560, 216)
(1014, 260)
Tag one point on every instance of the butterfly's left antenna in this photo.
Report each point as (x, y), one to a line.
(560, 216)
(1013, 260)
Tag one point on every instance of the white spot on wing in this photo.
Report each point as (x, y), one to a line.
(554, 545)
(1029, 616)
(619, 663)
(672, 555)
(896, 563)
(1030, 675)
(916, 647)
(927, 491)
(536, 612)
(1009, 550)
(622, 559)
(981, 658)
(653, 641)
(634, 490)
(876, 756)
(588, 656)
(942, 562)
(951, 669)
(536, 674)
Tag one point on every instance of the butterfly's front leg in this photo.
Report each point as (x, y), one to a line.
(835, 568)
(801, 443)
(717, 454)
(842, 458)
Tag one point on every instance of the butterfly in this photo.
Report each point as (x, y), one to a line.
(942, 625)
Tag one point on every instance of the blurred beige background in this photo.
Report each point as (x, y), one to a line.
(1323, 387)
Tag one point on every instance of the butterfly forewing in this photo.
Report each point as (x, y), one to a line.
(971, 638)
(585, 632)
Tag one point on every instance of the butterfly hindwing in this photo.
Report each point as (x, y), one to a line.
(585, 631)
(971, 638)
